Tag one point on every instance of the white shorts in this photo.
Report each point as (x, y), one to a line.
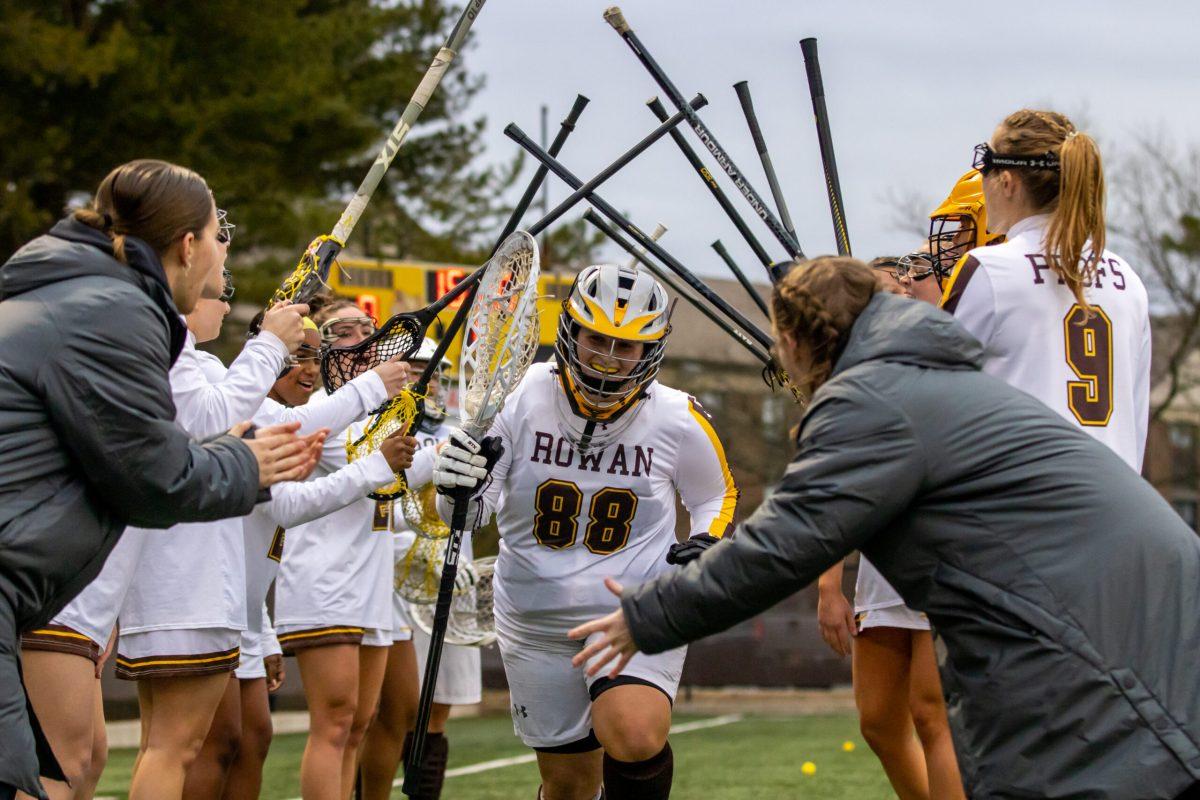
(551, 700)
(177, 653)
(299, 637)
(900, 616)
(402, 627)
(459, 674)
(251, 664)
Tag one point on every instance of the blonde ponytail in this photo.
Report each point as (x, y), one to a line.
(1073, 194)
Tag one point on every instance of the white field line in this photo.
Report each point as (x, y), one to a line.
(528, 758)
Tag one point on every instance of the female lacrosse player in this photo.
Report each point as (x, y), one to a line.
(333, 604)
(1059, 316)
(238, 740)
(594, 452)
(896, 685)
(386, 743)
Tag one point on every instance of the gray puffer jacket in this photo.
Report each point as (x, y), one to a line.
(1063, 590)
(88, 439)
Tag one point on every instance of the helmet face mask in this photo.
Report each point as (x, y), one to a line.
(610, 344)
(959, 224)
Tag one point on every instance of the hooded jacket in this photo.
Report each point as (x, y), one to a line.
(1064, 592)
(88, 437)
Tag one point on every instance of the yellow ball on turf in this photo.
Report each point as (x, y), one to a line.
(848, 746)
(809, 768)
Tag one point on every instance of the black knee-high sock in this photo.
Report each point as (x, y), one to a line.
(431, 772)
(639, 780)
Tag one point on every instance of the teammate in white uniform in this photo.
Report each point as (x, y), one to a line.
(1059, 316)
(230, 763)
(594, 452)
(333, 605)
(386, 743)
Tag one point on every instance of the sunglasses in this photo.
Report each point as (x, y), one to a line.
(225, 228)
(986, 160)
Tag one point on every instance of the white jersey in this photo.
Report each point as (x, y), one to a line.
(194, 575)
(1094, 373)
(871, 590)
(569, 520)
(339, 567)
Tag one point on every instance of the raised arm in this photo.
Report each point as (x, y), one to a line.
(206, 406)
(296, 503)
(338, 411)
(107, 395)
(858, 466)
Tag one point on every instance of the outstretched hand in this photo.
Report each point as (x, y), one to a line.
(616, 643)
(280, 453)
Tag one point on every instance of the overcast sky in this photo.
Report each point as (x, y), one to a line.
(911, 88)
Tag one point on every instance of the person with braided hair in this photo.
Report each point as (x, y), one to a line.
(1061, 587)
(1058, 315)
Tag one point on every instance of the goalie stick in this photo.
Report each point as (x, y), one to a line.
(816, 89)
(617, 20)
(313, 270)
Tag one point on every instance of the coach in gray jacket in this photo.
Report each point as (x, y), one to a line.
(1063, 590)
(89, 327)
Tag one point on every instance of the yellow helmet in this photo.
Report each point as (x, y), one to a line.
(959, 224)
(620, 303)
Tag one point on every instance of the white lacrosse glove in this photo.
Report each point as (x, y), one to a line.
(466, 577)
(460, 467)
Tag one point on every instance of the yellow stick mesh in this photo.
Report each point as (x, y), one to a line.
(396, 416)
(304, 270)
(420, 571)
(420, 512)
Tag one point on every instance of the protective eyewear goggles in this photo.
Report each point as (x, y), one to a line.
(345, 327)
(987, 160)
(914, 267)
(225, 228)
(303, 353)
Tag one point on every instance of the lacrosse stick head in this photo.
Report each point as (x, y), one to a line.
(312, 273)
(419, 572)
(396, 416)
(471, 623)
(397, 339)
(501, 332)
(420, 512)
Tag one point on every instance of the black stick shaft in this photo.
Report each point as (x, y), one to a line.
(741, 276)
(816, 88)
(741, 338)
(612, 169)
(639, 236)
(760, 144)
(722, 199)
(616, 19)
(437, 640)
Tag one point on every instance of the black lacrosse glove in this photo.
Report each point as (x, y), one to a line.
(684, 552)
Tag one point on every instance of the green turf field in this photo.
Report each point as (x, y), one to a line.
(755, 757)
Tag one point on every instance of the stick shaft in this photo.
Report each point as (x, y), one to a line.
(701, 306)
(603, 175)
(408, 118)
(639, 236)
(760, 144)
(617, 20)
(718, 194)
(741, 276)
(833, 187)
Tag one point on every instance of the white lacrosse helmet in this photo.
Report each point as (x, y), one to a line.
(620, 303)
(435, 401)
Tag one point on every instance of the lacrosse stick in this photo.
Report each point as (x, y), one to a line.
(816, 88)
(616, 19)
(313, 270)
(639, 256)
(471, 621)
(499, 341)
(401, 335)
(742, 88)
